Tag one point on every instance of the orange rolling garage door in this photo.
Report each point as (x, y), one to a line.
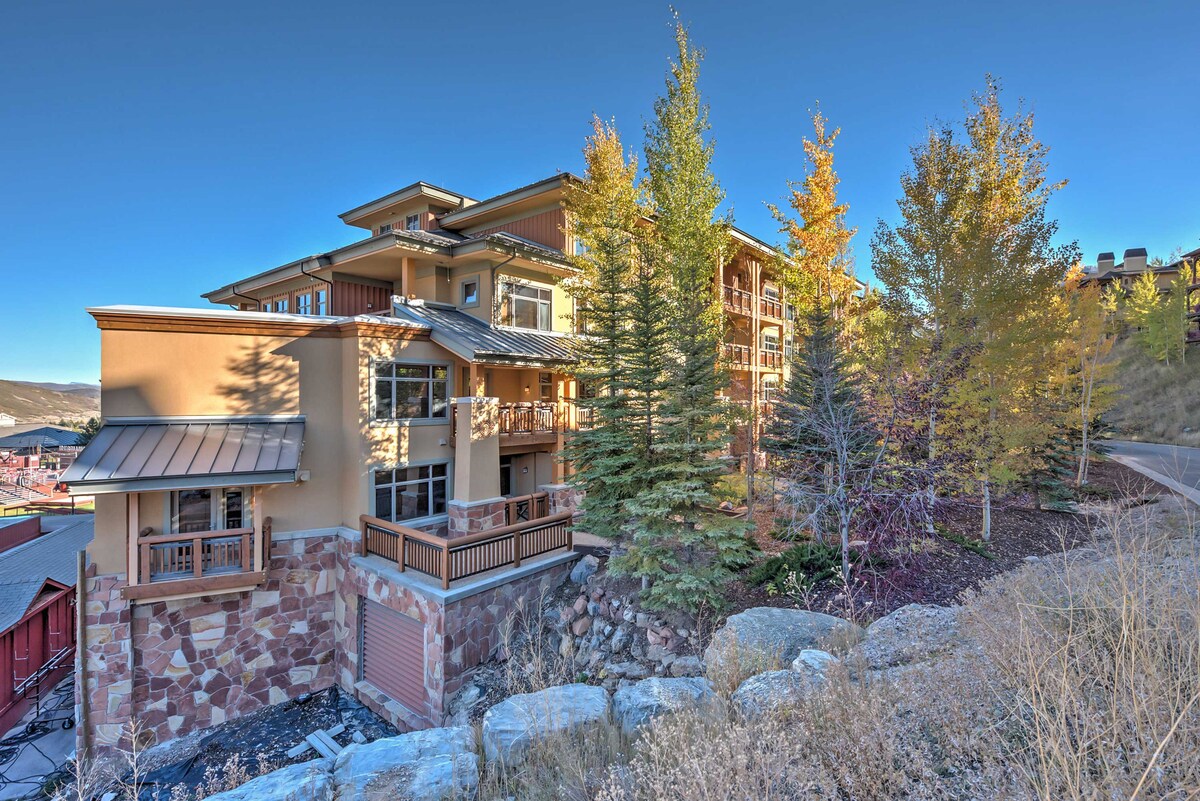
(393, 654)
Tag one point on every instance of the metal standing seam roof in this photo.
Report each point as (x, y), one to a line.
(25, 568)
(475, 340)
(166, 453)
(45, 436)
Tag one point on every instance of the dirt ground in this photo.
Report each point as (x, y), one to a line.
(945, 568)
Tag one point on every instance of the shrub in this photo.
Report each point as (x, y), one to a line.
(812, 563)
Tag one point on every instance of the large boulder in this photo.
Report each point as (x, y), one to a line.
(306, 781)
(912, 634)
(584, 569)
(424, 765)
(775, 689)
(636, 705)
(765, 637)
(513, 725)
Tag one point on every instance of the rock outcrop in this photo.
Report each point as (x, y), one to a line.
(306, 781)
(419, 766)
(775, 689)
(635, 705)
(513, 725)
(912, 634)
(764, 638)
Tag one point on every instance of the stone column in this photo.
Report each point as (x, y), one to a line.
(477, 504)
(108, 695)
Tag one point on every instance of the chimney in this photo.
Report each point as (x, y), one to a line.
(1135, 261)
(1105, 262)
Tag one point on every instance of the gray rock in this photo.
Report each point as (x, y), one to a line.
(657, 653)
(307, 781)
(764, 637)
(687, 666)
(813, 662)
(775, 689)
(511, 726)
(636, 705)
(627, 670)
(584, 569)
(424, 765)
(912, 634)
(620, 639)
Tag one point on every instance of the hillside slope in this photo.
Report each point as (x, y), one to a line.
(1156, 403)
(31, 402)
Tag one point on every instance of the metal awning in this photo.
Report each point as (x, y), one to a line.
(142, 454)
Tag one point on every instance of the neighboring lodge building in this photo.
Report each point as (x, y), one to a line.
(351, 476)
(1108, 272)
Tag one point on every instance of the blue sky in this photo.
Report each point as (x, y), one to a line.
(153, 151)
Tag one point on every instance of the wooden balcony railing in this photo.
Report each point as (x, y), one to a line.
(738, 300)
(770, 308)
(528, 418)
(770, 358)
(450, 560)
(524, 508)
(204, 561)
(738, 355)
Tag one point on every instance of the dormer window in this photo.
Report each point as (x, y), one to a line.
(385, 228)
(412, 222)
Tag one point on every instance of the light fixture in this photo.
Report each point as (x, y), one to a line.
(526, 389)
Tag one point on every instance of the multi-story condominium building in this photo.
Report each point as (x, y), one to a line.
(346, 471)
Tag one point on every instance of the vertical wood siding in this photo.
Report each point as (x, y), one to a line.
(45, 630)
(350, 298)
(544, 228)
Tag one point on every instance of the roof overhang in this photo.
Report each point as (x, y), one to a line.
(148, 454)
(420, 189)
(507, 203)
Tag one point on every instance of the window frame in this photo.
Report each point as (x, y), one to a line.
(412, 222)
(430, 381)
(385, 228)
(433, 517)
(304, 303)
(321, 302)
(462, 292)
(507, 290)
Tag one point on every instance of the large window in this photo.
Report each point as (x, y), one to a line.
(198, 510)
(409, 493)
(411, 391)
(771, 343)
(525, 306)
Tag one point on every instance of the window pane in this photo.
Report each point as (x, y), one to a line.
(438, 469)
(383, 502)
(383, 399)
(383, 369)
(525, 313)
(438, 505)
(383, 477)
(412, 371)
(441, 372)
(233, 509)
(470, 292)
(544, 316)
(193, 511)
(412, 399)
(440, 402)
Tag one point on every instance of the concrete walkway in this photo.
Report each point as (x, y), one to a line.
(1173, 466)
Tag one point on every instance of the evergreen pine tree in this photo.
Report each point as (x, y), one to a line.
(682, 548)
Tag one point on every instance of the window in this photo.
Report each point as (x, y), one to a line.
(770, 389)
(579, 248)
(791, 312)
(385, 228)
(525, 306)
(788, 347)
(470, 293)
(304, 303)
(546, 386)
(409, 493)
(412, 222)
(322, 301)
(770, 293)
(281, 306)
(771, 343)
(411, 391)
(208, 510)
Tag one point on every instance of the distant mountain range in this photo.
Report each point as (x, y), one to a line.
(32, 402)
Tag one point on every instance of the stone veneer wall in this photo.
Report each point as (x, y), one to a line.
(200, 660)
(471, 518)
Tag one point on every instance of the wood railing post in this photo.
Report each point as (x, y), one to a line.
(245, 558)
(570, 536)
(267, 531)
(197, 557)
(362, 544)
(401, 556)
(446, 566)
(516, 549)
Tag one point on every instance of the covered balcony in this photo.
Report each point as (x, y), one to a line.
(198, 480)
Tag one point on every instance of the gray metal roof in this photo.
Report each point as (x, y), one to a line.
(136, 454)
(37, 436)
(476, 341)
(25, 568)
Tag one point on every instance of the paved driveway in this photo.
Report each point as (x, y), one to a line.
(1173, 465)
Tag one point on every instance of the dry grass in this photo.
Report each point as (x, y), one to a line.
(1153, 400)
(1086, 689)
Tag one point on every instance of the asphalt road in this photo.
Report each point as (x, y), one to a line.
(1174, 465)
